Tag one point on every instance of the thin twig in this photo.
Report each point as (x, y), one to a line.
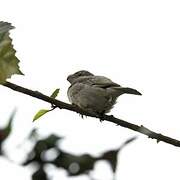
(62, 105)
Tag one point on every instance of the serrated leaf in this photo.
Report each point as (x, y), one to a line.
(8, 60)
(40, 113)
(5, 26)
(55, 93)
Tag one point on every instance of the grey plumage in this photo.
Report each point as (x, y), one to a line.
(95, 94)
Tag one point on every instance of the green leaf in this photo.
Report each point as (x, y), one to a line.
(55, 93)
(8, 60)
(40, 113)
(5, 26)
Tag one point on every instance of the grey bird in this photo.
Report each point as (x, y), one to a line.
(95, 94)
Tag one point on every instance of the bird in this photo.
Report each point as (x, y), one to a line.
(93, 94)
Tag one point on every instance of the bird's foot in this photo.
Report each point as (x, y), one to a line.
(82, 116)
(101, 116)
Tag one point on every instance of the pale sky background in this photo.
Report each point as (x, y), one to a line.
(135, 43)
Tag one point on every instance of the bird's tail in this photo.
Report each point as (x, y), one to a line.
(127, 90)
(117, 91)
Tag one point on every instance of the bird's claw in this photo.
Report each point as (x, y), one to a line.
(82, 116)
(101, 117)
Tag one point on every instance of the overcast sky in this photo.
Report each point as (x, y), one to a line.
(135, 43)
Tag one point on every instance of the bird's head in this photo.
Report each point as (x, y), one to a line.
(73, 77)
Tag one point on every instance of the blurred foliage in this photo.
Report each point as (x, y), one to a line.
(8, 60)
(6, 131)
(40, 174)
(40, 147)
(111, 156)
(73, 164)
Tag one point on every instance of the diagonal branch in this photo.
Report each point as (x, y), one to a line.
(62, 105)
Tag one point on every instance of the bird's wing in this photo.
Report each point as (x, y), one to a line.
(101, 81)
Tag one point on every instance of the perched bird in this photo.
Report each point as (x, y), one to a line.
(95, 94)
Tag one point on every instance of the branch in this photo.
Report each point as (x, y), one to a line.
(62, 105)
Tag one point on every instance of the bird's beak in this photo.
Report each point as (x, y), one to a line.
(69, 78)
